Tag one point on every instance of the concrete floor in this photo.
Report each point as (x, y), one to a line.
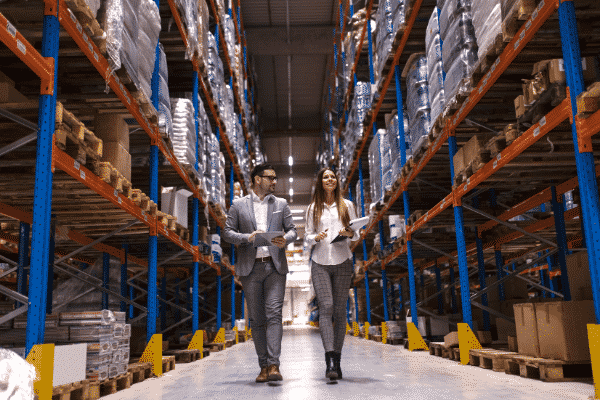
(371, 371)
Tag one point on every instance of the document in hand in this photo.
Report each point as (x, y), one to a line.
(355, 225)
(264, 238)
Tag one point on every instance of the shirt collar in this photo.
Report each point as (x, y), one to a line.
(257, 199)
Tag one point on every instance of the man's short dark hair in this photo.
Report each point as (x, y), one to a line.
(259, 169)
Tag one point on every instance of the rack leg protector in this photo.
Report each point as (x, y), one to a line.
(466, 342)
(197, 342)
(153, 354)
(594, 339)
(41, 357)
(415, 340)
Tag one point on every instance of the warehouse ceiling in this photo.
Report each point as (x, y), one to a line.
(309, 45)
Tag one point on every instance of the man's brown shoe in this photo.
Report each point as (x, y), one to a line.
(274, 374)
(263, 376)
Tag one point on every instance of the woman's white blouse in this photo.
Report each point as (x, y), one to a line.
(325, 252)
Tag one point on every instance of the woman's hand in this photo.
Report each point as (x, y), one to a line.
(347, 232)
(321, 236)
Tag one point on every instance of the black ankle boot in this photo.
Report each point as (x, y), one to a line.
(336, 364)
(330, 372)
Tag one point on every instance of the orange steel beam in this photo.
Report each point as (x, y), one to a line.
(43, 67)
(386, 84)
(225, 139)
(228, 62)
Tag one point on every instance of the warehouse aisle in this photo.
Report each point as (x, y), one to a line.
(371, 371)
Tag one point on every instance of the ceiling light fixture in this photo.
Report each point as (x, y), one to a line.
(291, 180)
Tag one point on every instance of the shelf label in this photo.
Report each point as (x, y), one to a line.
(76, 164)
(116, 193)
(96, 56)
(119, 199)
(82, 174)
(536, 131)
(11, 29)
(528, 25)
(21, 47)
(543, 121)
(535, 13)
(79, 28)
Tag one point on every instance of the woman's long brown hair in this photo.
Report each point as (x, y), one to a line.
(319, 198)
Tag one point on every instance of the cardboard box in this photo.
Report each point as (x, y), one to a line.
(484, 337)
(459, 161)
(578, 271)
(439, 326)
(554, 70)
(8, 94)
(473, 148)
(175, 203)
(562, 329)
(451, 339)
(112, 128)
(512, 344)
(520, 107)
(119, 157)
(527, 333)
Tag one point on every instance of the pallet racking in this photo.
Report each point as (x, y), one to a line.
(548, 31)
(75, 195)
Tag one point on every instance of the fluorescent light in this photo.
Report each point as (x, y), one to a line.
(297, 211)
(291, 192)
(291, 161)
(298, 218)
(291, 180)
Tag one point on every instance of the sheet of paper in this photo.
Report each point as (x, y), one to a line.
(264, 239)
(355, 225)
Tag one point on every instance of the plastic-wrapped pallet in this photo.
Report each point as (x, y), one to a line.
(379, 165)
(395, 143)
(184, 131)
(487, 21)
(189, 12)
(203, 25)
(147, 39)
(94, 6)
(165, 121)
(435, 70)
(417, 100)
(459, 51)
(112, 23)
(390, 18)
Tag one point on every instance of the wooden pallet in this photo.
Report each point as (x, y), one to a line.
(550, 98)
(113, 385)
(588, 102)
(495, 145)
(216, 346)
(488, 59)
(141, 200)
(140, 371)
(414, 217)
(376, 338)
(184, 356)
(83, 390)
(86, 19)
(520, 12)
(548, 370)
(489, 358)
(395, 341)
(73, 137)
(439, 349)
(168, 363)
(114, 178)
(229, 343)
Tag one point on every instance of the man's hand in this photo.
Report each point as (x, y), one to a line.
(253, 236)
(279, 241)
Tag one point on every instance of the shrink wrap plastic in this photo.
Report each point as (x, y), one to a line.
(184, 131)
(418, 106)
(487, 21)
(165, 120)
(112, 22)
(435, 67)
(189, 11)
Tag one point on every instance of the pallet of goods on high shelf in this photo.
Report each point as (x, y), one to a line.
(470, 158)
(75, 139)
(417, 102)
(195, 17)
(132, 29)
(390, 19)
(435, 71)
(487, 22)
(380, 167)
(396, 143)
(547, 88)
(165, 119)
(588, 102)
(459, 51)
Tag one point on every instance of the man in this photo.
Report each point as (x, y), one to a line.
(262, 270)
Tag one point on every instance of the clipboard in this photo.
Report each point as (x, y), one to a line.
(264, 238)
(355, 225)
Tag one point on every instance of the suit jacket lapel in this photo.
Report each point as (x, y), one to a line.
(270, 212)
(250, 203)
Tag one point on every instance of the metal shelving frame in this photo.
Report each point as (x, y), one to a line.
(587, 172)
(49, 157)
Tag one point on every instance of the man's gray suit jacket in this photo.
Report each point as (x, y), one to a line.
(241, 222)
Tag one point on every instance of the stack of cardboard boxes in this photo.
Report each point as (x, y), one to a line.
(8, 92)
(114, 132)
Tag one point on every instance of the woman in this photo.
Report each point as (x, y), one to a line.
(327, 217)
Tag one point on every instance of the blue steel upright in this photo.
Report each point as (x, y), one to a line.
(499, 272)
(195, 217)
(42, 195)
(23, 260)
(365, 257)
(409, 253)
(163, 305)
(386, 315)
(463, 268)
(242, 306)
(219, 288)
(152, 302)
(51, 265)
(438, 285)
(588, 186)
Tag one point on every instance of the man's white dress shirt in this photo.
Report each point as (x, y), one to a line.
(261, 209)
